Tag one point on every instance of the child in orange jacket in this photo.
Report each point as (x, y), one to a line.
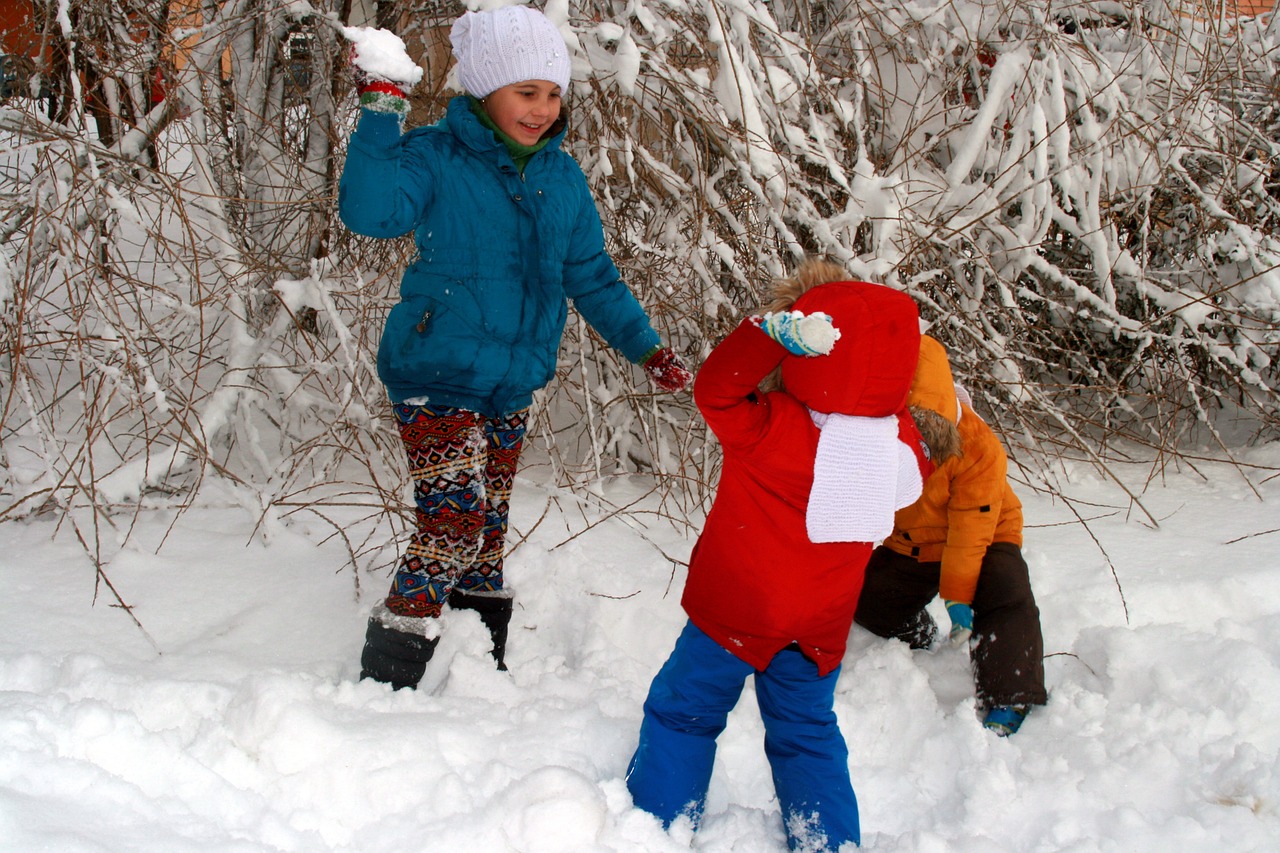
(963, 540)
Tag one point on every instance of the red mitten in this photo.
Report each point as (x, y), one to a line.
(375, 93)
(382, 70)
(667, 371)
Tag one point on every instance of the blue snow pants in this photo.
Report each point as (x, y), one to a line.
(686, 710)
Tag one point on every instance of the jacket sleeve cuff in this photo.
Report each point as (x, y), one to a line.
(377, 131)
(640, 346)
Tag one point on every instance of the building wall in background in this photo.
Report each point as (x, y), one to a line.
(19, 33)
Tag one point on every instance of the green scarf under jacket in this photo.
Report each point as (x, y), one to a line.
(519, 153)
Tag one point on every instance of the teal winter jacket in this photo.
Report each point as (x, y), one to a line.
(483, 306)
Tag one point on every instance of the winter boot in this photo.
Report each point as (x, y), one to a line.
(1004, 720)
(394, 653)
(920, 632)
(494, 609)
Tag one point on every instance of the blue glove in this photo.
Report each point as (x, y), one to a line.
(801, 334)
(961, 622)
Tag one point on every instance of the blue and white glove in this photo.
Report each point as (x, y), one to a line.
(800, 333)
(961, 622)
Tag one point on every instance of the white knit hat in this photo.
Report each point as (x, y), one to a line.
(498, 47)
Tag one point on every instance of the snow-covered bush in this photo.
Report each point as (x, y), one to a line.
(1082, 196)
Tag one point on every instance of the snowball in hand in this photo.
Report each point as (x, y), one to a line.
(802, 334)
(381, 55)
(818, 332)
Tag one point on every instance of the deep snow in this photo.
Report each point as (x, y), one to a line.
(232, 721)
(235, 723)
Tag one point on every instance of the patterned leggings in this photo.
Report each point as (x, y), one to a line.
(462, 464)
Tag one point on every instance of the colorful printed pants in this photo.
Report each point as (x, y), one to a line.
(462, 464)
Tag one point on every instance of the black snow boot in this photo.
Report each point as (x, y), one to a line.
(920, 632)
(494, 611)
(393, 656)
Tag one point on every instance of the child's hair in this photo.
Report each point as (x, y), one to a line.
(939, 434)
(812, 272)
(935, 401)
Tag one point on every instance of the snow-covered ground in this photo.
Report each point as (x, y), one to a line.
(233, 721)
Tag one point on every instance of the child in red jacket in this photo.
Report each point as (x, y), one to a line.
(812, 476)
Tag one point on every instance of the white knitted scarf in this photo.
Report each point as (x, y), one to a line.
(862, 475)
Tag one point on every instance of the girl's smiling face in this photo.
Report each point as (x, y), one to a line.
(524, 111)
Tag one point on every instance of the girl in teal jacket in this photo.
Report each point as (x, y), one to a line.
(506, 232)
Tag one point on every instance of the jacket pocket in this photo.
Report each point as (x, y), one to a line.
(422, 346)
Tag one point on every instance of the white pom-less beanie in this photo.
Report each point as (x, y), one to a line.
(498, 47)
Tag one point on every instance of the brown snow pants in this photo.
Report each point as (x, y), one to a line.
(1008, 648)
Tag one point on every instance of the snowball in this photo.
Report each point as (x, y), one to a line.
(554, 809)
(380, 53)
(814, 331)
(818, 333)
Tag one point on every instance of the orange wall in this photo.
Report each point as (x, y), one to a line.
(1249, 8)
(18, 29)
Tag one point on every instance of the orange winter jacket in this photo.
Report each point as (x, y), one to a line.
(966, 505)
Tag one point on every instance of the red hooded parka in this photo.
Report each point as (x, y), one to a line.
(756, 582)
